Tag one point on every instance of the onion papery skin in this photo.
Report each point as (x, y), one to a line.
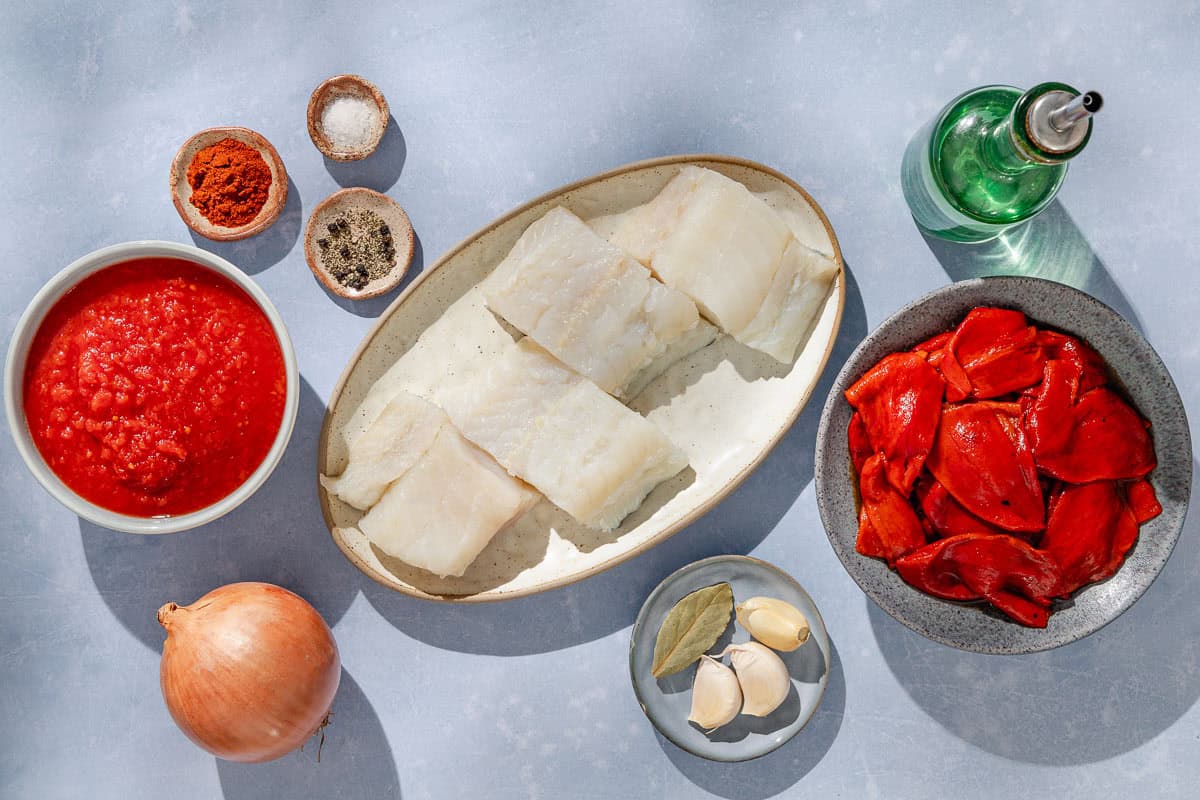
(249, 671)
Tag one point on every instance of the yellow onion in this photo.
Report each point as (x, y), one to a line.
(248, 671)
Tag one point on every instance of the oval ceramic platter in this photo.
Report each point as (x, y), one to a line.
(703, 403)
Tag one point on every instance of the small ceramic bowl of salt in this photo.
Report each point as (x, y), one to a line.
(347, 115)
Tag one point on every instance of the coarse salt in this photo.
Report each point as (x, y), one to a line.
(348, 122)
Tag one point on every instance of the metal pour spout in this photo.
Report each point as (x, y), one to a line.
(1058, 121)
(1082, 107)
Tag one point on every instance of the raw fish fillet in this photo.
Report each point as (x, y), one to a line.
(708, 237)
(697, 338)
(791, 306)
(463, 340)
(804, 222)
(591, 456)
(737, 258)
(391, 444)
(444, 510)
(589, 304)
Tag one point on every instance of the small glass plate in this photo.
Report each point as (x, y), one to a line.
(668, 701)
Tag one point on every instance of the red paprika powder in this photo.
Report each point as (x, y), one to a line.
(230, 181)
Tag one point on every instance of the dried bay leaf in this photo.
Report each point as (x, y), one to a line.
(692, 627)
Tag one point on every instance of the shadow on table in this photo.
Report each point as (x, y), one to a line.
(608, 602)
(278, 536)
(776, 771)
(1049, 246)
(268, 248)
(1085, 702)
(378, 171)
(375, 306)
(354, 762)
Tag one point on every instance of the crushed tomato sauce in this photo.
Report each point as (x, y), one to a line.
(154, 387)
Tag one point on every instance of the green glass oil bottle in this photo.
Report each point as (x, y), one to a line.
(993, 158)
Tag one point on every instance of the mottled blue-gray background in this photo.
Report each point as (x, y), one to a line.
(494, 103)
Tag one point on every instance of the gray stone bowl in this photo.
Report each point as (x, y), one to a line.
(1138, 371)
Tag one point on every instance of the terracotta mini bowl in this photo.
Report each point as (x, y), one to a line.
(181, 190)
(354, 199)
(14, 381)
(343, 86)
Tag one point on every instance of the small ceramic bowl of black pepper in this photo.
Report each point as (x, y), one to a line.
(359, 243)
(228, 183)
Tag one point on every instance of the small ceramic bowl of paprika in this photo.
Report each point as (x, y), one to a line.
(228, 183)
(151, 387)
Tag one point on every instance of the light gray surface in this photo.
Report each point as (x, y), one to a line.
(494, 104)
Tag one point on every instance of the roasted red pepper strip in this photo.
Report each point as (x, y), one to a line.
(934, 349)
(1005, 571)
(900, 400)
(868, 538)
(933, 343)
(860, 450)
(1143, 502)
(893, 520)
(996, 350)
(943, 514)
(1091, 366)
(980, 456)
(1090, 530)
(1033, 613)
(1047, 415)
(1097, 437)
(958, 385)
(860, 445)
(929, 570)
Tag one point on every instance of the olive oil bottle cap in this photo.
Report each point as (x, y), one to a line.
(1054, 121)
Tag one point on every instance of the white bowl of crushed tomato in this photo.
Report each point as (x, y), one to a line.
(151, 387)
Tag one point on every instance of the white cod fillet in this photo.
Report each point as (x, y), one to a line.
(590, 305)
(443, 511)
(791, 306)
(697, 338)
(463, 340)
(709, 237)
(392, 443)
(591, 456)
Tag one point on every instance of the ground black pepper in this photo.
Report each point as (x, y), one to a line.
(359, 249)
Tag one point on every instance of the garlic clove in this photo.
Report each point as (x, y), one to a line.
(762, 675)
(775, 623)
(716, 695)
